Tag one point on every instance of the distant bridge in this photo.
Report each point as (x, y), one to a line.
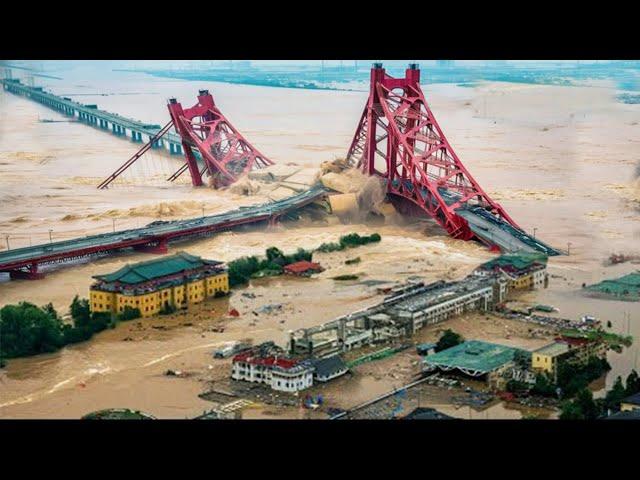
(90, 114)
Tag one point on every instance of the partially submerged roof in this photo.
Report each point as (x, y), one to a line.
(422, 413)
(626, 415)
(518, 261)
(633, 399)
(156, 268)
(302, 266)
(472, 357)
(553, 349)
(627, 285)
(328, 366)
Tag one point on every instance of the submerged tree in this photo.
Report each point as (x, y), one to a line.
(448, 339)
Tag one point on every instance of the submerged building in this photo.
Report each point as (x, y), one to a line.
(623, 288)
(406, 310)
(576, 350)
(168, 282)
(268, 364)
(523, 271)
(482, 360)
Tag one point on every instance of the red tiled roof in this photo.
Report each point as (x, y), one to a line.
(302, 266)
(270, 361)
(573, 340)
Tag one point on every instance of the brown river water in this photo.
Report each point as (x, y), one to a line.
(560, 159)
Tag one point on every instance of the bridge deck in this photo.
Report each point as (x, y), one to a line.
(42, 96)
(159, 232)
(491, 229)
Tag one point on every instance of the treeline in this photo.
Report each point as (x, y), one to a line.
(243, 269)
(351, 240)
(571, 379)
(26, 329)
(572, 387)
(584, 407)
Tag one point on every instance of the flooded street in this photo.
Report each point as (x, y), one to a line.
(560, 160)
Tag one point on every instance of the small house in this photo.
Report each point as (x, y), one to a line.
(303, 268)
(328, 368)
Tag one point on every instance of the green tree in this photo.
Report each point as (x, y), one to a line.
(241, 269)
(448, 339)
(587, 405)
(274, 254)
(26, 329)
(129, 313)
(544, 386)
(615, 395)
(80, 312)
(583, 407)
(515, 386)
(570, 411)
(633, 383)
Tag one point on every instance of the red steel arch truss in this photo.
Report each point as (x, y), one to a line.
(399, 139)
(226, 154)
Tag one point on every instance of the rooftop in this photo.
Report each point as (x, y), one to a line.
(633, 399)
(422, 413)
(328, 366)
(472, 357)
(553, 349)
(156, 268)
(273, 361)
(626, 285)
(435, 294)
(302, 266)
(520, 261)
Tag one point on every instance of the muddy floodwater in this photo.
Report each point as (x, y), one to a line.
(561, 160)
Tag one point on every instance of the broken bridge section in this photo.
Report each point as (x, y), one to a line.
(399, 139)
(211, 144)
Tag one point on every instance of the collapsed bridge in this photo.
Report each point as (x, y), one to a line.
(398, 139)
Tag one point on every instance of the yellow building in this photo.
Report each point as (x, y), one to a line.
(630, 403)
(524, 271)
(175, 281)
(546, 359)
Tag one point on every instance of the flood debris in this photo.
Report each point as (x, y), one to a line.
(616, 258)
(269, 308)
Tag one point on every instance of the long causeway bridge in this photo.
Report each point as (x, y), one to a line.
(90, 114)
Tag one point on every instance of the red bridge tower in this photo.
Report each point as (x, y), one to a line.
(399, 139)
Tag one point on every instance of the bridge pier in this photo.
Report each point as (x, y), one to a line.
(273, 220)
(118, 129)
(175, 149)
(30, 274)
(160, 247)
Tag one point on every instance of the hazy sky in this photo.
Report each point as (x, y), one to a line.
(52, 65)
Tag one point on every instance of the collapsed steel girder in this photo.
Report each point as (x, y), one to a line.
(398, 129)
(225, 152)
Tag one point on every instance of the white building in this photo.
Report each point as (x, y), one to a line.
(280, 374)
